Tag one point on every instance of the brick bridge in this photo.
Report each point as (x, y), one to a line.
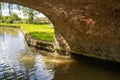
(89, 27)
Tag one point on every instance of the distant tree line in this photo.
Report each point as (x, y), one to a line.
(30, 15)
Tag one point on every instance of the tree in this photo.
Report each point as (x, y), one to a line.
(0, 10)
(10, 8)
(11, 18)
(29, 13)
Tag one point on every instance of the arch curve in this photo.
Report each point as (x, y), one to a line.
(86, 27)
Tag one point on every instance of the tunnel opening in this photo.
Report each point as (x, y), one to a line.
(56, 15)
(39, 28)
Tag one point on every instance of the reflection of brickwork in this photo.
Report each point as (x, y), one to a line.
(87, 26)
(8, 72)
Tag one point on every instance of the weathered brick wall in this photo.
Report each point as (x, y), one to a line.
(90, 27)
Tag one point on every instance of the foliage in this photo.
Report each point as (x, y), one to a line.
(10, 19)
(30, 15)
(40, 32)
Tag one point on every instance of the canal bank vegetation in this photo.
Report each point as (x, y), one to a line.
(41, 32)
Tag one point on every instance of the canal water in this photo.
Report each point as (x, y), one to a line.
(20, 62)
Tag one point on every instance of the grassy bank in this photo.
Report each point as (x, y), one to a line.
(40, 32)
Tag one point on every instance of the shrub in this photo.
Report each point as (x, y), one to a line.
(10, 19)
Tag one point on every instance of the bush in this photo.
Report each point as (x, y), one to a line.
(10, 19)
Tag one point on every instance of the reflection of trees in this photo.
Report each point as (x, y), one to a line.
(27, 60)
(45, 69)
(9, 31)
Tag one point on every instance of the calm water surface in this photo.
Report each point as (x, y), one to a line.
(19, 62)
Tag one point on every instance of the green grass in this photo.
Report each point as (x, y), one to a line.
(40, 32)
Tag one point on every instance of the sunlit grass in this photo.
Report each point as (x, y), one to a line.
(40, 32)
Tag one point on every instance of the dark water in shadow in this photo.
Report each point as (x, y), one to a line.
(18, 62)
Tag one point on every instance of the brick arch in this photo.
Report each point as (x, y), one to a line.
(89, 27)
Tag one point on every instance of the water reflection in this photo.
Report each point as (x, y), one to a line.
(45, 71)
(9, 31)
(27, 60)
(17, 61)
